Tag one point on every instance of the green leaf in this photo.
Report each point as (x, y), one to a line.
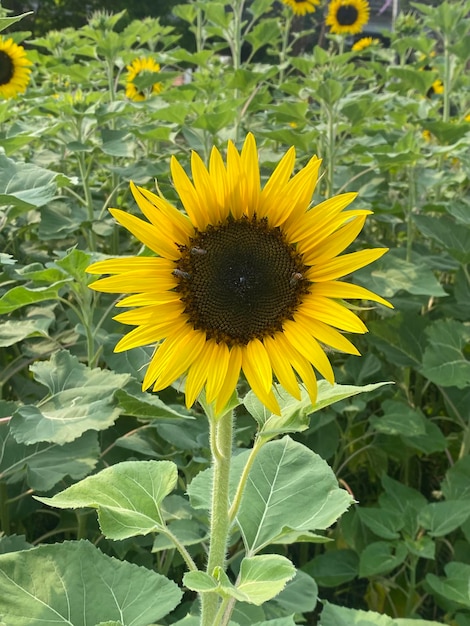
(14, 331)
(58, 220)
(295, 414)
(189, 532)
(75, 583)
(341, 616)
(381, 557)
(444, 362)
(127, 496)
(79, 399)
(22, 296)
(441, 518)
(399, 419)
(45, 464)
(300, 595)
(455, 238)
(260, 579)
(289, 487)
(144, 405)
(393, 274)
(456, 586)
(6, 22)
(401, 339)
(381, 522)
(411, 79)
(334, 567)
(456, 484)
(26, 185)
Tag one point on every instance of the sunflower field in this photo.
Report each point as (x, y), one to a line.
(235, 317)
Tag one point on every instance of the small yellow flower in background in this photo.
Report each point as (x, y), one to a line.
(15, 72)
(437, 87)
(347, 17)
(364, 43)
(302, 7)
(426, 134)
(245, 280)
(467, 118)
(142, 67)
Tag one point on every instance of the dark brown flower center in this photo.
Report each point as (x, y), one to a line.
(240, 280)
(347, 15)
(6, 68)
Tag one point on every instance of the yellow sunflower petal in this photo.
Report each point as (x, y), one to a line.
(188, 195)
(317, 219)
(169, 305)
(204, 188)
(336, 289)
(197, 375)
(320, 233)
(344, 264)
(217, 370)
(337, 242)
(145, 299)
(218, 174)
(249, 164)
(162, 214)
(332, 313)
(300, 338)
(231, 379)
(148, 234)
(328, 335)
(281, 366)
(135, 282)
(301, 365)
(258, 371)
(276, 183)
(147, 335)
(179, 357)
(128, 264)
(234, 178)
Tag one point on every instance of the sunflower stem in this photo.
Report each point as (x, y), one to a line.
(221, 449)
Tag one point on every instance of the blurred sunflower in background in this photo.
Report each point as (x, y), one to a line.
(364, 43)
(141, 81)
(15, 72)
(347, 17)
(302, 7)
(245, 280)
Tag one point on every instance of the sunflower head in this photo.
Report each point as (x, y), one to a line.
(302, 7)
(15, 69)
(141, 81)
(244, 280)
(364, 43)
(347, 17)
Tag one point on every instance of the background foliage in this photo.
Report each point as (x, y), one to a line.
(70, 406)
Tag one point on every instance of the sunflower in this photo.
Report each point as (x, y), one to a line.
(246, 280)
(14, 69)
(437, 87)
(364, 43)
(347, 17)
(302, 7)
(143, 69)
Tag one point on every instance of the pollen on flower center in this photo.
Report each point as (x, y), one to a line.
(240, 280)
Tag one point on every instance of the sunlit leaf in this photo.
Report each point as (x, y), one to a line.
(75, 583)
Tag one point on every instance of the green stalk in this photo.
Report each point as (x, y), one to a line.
(4, 510)
(446, 81)
(409, 216)
(285, 44)
(221, 451)
(244, 477)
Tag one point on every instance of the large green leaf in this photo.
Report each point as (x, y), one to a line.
(75, 583)
(455, 586)
(289, 487)
(381, 557)
(45, 464)
(260, 579)
(127, 496)
(79, 399)
(21, 296)
(441, 518)
(444, 362)
(14, 331)
(455, 238)
(26, 185)
(333, 615)
(295, 414)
